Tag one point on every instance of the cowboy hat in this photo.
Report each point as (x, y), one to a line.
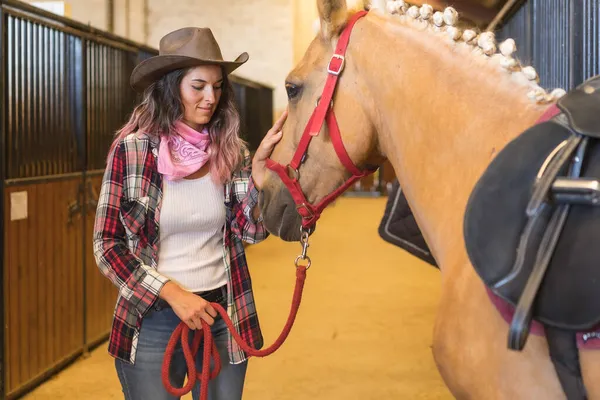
(183, 48)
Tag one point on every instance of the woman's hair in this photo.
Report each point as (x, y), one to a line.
(161, 107)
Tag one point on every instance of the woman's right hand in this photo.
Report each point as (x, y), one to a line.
(190, 308)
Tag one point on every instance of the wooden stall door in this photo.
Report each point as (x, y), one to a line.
(43, 278)
(100, 293)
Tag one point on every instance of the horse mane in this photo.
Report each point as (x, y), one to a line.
(482, 44)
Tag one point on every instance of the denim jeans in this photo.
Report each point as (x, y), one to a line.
(142, 381)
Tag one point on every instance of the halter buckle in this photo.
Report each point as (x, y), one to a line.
(308, 212)
(339, 68)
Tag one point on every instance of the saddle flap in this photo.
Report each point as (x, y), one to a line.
(495, 219)
(582, 107)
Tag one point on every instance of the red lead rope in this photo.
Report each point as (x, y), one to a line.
(210, 349)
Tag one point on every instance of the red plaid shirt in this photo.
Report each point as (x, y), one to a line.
(126, 235)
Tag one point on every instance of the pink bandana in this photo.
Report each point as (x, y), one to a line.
(183, 152)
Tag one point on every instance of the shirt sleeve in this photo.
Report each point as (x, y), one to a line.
(244, 199)
(138, 283)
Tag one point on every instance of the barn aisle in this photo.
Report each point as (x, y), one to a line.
(363, 330)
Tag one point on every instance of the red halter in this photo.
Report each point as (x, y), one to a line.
(323, 112)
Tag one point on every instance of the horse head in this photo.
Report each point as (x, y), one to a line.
(321, 170)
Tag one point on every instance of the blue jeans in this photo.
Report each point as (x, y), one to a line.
(142, 381)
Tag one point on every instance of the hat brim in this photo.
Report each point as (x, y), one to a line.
(153, 68)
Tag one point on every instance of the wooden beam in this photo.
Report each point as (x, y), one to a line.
(501, 14)
(475, 11)
(110, 16)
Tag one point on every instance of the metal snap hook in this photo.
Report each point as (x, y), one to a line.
(305, 245)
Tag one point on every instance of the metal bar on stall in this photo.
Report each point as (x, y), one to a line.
(82, 133)
(71, 31)
(3, 160)
(576, 40)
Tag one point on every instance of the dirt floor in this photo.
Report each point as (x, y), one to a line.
(363, 330)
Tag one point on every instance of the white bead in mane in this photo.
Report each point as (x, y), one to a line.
(484, 43)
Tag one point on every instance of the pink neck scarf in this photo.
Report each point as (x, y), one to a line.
(183, 152)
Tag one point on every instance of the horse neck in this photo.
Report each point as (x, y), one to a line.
(441, 116)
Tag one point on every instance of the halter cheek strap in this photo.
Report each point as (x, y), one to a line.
(323, 113)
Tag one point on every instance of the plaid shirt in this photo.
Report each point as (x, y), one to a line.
(126, 240)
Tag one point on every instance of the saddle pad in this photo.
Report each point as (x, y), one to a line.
(586, 340)
(398, 226)
(569, 297)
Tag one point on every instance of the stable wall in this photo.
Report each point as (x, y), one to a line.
(275, 33)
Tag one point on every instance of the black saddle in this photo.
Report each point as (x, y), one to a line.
(531, 228)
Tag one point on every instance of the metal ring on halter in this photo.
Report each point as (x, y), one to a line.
(319, 99)
(295, 173)
(549, 159)
(309, 231)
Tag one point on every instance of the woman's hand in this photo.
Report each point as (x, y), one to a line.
(273, 136)
(190, 308)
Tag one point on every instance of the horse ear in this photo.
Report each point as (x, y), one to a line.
(333, 15)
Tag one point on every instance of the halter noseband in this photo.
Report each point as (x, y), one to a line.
(289, 174)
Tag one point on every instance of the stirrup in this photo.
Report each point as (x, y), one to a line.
(569, 188)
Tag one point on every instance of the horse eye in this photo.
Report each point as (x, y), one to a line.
(292, 90)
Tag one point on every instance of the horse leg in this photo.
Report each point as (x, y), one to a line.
(590, 369)
(469, 348)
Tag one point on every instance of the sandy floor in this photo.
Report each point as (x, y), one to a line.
(363, 330)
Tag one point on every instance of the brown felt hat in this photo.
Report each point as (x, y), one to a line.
(183, 48)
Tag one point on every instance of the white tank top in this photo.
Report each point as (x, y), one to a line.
(192, 218)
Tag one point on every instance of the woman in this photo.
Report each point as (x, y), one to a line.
(177, 200)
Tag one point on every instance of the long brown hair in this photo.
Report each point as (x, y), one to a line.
(161, 107)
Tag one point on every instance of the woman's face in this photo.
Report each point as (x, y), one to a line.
(200, 92)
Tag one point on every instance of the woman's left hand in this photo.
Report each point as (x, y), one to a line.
(273, 136)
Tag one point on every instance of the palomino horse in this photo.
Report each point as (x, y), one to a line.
(439, 103)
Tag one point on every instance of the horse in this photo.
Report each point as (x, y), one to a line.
(439, 103)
